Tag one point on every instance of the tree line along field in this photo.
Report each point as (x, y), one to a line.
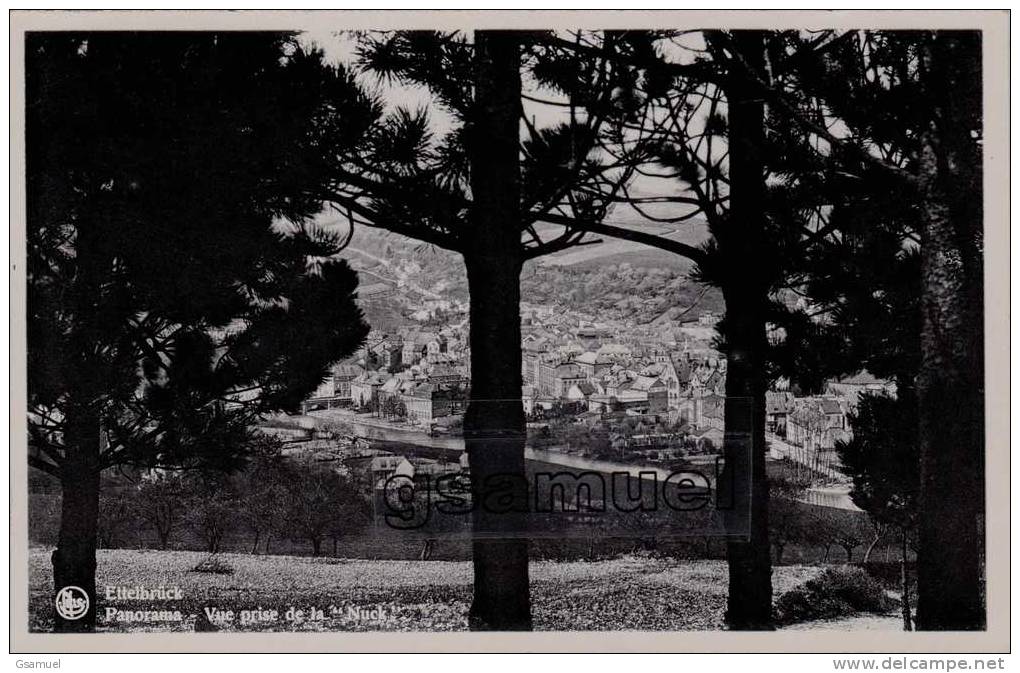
(802, 533)
(632, 592)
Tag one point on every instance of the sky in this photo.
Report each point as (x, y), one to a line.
(339, 48)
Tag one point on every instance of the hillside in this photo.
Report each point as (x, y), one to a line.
(617, 280)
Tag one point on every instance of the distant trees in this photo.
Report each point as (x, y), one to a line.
(114, 518)
(161, 503)
(616, 295)
(174, 291)
(211, 509)
(260, 490)
(848, 534)
(298, 500)
(393, 407)
(789, 520)
(318, 503)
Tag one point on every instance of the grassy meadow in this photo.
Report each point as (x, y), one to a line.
(638, 593)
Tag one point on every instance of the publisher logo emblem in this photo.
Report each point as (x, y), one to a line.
(72, 602)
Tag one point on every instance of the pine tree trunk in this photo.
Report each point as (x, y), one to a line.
(74, 559)
(494, 437)
(745, 290)
(951, 380)
(494, 428)
(749, 601)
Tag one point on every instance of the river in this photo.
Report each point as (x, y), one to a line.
(575, 462)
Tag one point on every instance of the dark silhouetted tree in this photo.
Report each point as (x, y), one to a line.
(175, 290)
(480, 187)
(909, 109)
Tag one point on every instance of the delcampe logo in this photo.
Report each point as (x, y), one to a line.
(72, 602)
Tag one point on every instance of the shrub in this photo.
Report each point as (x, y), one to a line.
(214, 565)
(837, 592)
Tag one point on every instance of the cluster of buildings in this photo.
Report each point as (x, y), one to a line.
(666, 374)
(420, 376)
(617, 377)
(818, 422)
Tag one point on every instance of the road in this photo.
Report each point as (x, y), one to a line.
(385, 263)
(836, 496)
(782, 449)
(373, 430)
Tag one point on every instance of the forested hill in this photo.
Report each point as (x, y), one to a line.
(618, 280)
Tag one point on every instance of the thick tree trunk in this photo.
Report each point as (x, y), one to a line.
(951, 381)
(745, 290)
(74, 559)
(494, 428)
(494, 436)
(749, 601)
(951, 440)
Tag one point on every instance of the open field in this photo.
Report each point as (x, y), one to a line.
(627, 593)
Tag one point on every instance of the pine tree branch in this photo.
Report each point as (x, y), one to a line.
(778, 99)
(701, 70)
(445, 240)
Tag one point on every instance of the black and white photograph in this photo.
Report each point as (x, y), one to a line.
(337, 327)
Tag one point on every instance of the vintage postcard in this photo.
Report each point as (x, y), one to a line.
(512, 331)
